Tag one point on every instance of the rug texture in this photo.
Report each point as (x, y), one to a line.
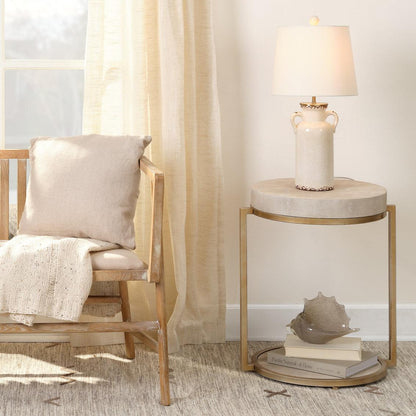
(55, 379)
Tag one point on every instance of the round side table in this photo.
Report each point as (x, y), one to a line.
(351, 202)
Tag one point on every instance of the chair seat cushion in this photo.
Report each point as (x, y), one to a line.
(116, 259)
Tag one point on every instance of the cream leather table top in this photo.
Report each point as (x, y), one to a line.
(349, 199)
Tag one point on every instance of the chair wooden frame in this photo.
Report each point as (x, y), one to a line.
(153, 273)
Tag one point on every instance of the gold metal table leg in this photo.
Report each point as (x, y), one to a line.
(245, 365)
(391, 209)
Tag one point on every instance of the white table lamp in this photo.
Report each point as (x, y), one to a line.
(314, 61)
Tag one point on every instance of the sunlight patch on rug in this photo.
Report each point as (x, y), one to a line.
(102, 355)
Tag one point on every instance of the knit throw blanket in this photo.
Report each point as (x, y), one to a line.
(46, 276)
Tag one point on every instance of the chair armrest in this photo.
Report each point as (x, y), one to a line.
(157, 179)
(149, 168)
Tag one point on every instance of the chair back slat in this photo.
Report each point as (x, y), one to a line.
(21, 155)
(4, 199)
(21, 187)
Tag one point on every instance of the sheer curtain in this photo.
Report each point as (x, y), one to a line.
(150, 69)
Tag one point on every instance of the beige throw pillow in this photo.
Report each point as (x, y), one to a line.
(85, 186)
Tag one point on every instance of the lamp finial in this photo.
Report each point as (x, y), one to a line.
(314, 21)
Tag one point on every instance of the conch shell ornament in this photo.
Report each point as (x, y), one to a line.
(322, 319)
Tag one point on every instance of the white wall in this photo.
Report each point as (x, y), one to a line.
(374, 142)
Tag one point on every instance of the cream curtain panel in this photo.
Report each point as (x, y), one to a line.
(150, 69)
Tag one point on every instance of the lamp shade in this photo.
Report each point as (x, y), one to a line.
(314, 61)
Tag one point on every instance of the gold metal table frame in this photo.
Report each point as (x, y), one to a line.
(257, 363)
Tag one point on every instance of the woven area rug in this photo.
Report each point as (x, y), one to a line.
(55, 379)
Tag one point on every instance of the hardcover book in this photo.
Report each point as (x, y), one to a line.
(336, 368)
(342, 348)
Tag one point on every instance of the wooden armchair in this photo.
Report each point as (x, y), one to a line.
(151, 273)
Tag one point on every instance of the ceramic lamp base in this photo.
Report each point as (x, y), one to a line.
(307, 188)
(314, 147)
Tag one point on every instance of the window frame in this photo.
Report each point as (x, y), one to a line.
(24, 64)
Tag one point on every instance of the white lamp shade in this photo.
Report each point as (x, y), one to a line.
(314, 61)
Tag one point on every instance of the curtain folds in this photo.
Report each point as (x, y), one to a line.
(150, 69)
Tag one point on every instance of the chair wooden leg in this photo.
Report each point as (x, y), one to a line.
(162, 343)
(125, 312)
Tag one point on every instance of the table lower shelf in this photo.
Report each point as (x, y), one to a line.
(307, 378)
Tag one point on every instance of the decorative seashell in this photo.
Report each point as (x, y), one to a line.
(322, 319)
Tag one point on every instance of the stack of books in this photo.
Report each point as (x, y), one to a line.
(342, 357)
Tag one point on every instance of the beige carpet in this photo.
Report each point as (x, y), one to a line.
(53, 379)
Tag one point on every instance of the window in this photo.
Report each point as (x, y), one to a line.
(42, 46)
